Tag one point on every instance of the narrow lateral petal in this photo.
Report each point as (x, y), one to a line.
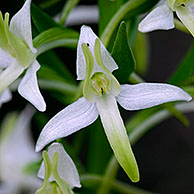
(88, 37)
(74, 117)
(5, 96)
(10, 74)
(20, 25)
(117, 135)
(28, 87)
(66, 167)
(145, 95)
(186, 15)
(5, 59)
(161, 18)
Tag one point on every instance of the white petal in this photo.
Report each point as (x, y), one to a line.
(87, 36)
(117, 135)
(20, 25)
(5, 59)
(28, 87)
(5, 96)
(186, 15)
(66, 167)
(145, 95)
(74, 117)
(161, 18)
(10, 74)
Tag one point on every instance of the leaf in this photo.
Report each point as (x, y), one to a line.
(131, 26)
(122, 54)
(127, 11)
(56, 37)
(106, 14)
(52, 62)
(185, 68)
(141, 53)
(99, 151)
(41, 20)
(69, 5)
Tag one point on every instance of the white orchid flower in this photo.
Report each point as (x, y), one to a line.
(101, 90)
(58, 171)
(161, 18)
(17, 151)
(6, 95)
(17, 54)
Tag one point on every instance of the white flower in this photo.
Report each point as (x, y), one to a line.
(17, 151)
(17, 54)
(101, 90)
(58, 171)
(161, 18)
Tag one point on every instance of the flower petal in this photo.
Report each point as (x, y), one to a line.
(161, 18)
(74, 117)
(145, 95)
(5, 96)
(10, 74)
(186, 15)
(87, 36)
(20, 25)
(5, 59)
(28, 87)
(117, 135)
(66, 167)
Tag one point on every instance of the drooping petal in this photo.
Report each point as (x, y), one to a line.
(10, 74)
(117, 135)
(186, 15)
(28, 87)
(71, 119)
(88, 37)
(161, 18)
(66, 167)
(20, 25)
(145, 95)
(5, 59)
(5, 96)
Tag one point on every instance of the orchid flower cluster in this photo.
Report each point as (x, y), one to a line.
(99, 94)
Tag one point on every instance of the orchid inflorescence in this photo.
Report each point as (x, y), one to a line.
(100, 93)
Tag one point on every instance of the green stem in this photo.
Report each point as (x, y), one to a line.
(180, 26)
(72, 43)
(51, 85)
(116, 19)
(69, 5)
(135, 78)
(109, 176)
(92, 180)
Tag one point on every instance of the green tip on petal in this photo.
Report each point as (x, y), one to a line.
(16, 47)
(115, 88)
(117, 135)
(171, 4)
(89, 68)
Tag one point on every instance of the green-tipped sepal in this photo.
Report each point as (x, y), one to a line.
(117, 135)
